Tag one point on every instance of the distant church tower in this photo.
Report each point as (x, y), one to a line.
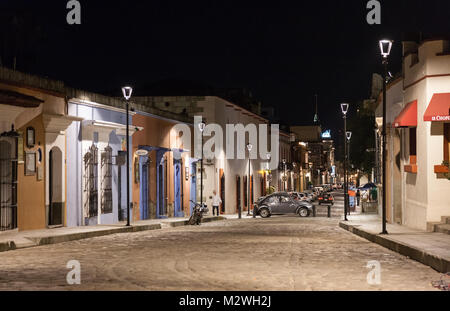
(316, 116)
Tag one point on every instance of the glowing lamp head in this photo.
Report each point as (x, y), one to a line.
(344, 108)
(201, 126)
(127, 91)
(385, 47)
(349, 135)
(249, 147)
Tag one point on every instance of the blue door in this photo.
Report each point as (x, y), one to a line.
(193, 193)
(143, 188)
(178, 212)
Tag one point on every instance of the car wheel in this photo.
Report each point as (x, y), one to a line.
(264, 213)
(303, 212)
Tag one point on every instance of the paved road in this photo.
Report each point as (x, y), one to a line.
(279, 253)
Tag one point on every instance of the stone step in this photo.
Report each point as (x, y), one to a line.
(444, 228)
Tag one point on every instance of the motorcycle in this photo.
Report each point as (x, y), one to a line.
(197, 213)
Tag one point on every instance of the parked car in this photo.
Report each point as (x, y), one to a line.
(300, 196)
(312, 194)
(326, 198)
(281, 203)
(318, 190)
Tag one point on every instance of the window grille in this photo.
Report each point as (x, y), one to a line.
(8, 181)
(107, 180)
(91, 181)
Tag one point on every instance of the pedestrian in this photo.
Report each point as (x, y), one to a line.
(358, 197)
(216, 201)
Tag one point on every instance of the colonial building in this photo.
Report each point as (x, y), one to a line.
(164, 171)
(228, 176)
(33, 165)
(418, 141)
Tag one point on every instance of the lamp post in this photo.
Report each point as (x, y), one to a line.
(249, 148)
(284, 177)
(344, 109)
(385, 49)
(201, 127)
(348, 136)
(127, 91)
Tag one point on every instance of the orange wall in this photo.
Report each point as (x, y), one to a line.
(30, 191)
(156, 133)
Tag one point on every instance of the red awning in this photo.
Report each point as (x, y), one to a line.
(439, 108)
(408, 116)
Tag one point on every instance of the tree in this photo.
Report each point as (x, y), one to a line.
(362, 143)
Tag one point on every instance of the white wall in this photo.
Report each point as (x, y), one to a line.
(426, 196)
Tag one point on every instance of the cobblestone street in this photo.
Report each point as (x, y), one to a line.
(279, 253)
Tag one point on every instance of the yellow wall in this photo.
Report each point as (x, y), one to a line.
(30, 191)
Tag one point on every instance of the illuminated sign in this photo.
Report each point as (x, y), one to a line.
(326, 134)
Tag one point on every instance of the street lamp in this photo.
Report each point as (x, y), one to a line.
(249, 148)
(201, 127)
(127, 91)
(344, 109)
(385, 49)
(349, 136)
(284, 177)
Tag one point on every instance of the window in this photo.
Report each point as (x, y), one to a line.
(447, 142)
(245, 191)
(285, 199)
(412, 166)
(272, 200)
(413, 141)
(91, 182)
(107, 181)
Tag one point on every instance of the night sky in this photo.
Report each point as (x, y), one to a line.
(284, 52)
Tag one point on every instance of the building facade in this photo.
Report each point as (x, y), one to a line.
(418, 142)
(33, 122)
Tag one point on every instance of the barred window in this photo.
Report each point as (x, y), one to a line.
(107, 180)
(91, 181)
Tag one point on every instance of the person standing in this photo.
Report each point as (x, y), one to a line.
(358, 197)
(216, 201)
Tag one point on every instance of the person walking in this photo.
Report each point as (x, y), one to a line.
(216, 201)
(358, 197)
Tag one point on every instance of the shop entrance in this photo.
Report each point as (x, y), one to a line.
(56, 204)
(8, 181)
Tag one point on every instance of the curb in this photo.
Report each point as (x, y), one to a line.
(7, 246)
(48, 240)
(439, 264)
(93, 234)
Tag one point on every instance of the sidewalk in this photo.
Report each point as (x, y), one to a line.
(11, 240)
(429, 248)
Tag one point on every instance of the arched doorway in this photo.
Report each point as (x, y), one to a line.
(193, 188)
(222, 191)
(8, 183)
(178, 212)
(56, 195)
(238, 193)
